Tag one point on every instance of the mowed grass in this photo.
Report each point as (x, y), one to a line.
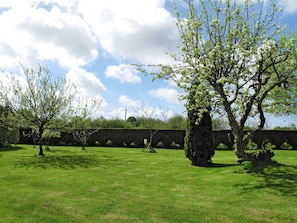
(129, 185)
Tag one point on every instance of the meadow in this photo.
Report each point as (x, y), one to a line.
(130, 185)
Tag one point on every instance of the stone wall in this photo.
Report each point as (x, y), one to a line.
(169, 138)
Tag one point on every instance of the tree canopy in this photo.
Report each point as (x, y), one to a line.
(238, 59)
(40, 100)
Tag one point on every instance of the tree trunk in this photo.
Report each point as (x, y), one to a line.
(40, 141)
(240, 153)
(150, 147)
(199, 145)
(259, 156)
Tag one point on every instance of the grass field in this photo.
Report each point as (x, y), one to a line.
(129, 185)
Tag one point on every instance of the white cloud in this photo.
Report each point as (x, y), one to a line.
(86, 83)
(70, 31)
(88, 88)
(147, 112)
(168, 94)
(154, 112)
(124, 100)
(95, 105)
(119, 113)
(6, 82)
(17, 3)
(132, 29)
(123, 72)
(289, 6)
(30, 34)
(139, 109)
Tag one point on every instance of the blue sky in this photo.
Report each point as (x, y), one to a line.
(92, 43)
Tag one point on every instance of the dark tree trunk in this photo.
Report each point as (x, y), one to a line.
(40, 141)
(40, 150)
(199, 145)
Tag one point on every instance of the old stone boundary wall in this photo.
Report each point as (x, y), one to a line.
(169, 138)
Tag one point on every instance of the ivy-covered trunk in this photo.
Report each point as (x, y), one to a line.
(199, 145)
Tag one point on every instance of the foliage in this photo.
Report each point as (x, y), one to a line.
(39, 100)
(150, 123)
(289, 127)
(9, 132)
(131, 119)
(239, 59)
(110, 123)
(177, 122)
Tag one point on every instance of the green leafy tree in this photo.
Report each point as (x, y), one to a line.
(9, 131)
(132, 120)
(111, 123)
(40, 100)
(239, 59)
(177, 122)
(289, 127)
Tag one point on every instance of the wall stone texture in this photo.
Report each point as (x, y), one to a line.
(173, 139)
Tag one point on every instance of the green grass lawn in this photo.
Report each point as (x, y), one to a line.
(129, 185)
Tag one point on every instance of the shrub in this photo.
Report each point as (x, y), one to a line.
(109, 143)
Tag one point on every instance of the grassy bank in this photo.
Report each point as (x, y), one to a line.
(128, 185)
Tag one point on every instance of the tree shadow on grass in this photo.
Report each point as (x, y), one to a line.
(221, 165)
(64, 161)
(278, 177)
(10, 148)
